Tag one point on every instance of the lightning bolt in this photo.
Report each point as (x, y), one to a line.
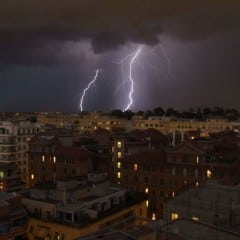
(135, 55)
(166, 57)
(87, 88)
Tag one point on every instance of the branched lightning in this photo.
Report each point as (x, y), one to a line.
(87, 88)
(136, 54)
(167, 58)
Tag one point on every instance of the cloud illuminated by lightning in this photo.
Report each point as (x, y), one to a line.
(87, 88)
(131, 78)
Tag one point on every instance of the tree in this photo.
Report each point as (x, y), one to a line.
(158, 111)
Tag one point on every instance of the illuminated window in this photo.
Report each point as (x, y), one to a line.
(147, 203)
(119, 155)
(146, 190)
(119, 175)
(135, 167)
(209, 173)
(174, 216)
(192, 137)
(173, 194)
(1, 185)
(153, 216)
(197, 159)
(32, 176)
(1, 174)
(196, 184)
(54, 159)
(43, 158)
(119, 144)
(194, 218)
(118, 164)
(112, 149)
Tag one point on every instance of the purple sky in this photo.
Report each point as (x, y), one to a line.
(50, 50)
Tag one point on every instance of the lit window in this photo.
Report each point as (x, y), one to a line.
(196, 184)
(118, 164)
(43, 158)
(135, 167)
(173, 194)
(153, 216)
(146, 190)
(192, 137)
(174, 216)
(119, 155)
(54, 159)
(119, 144)
(194, 218)
(119, 175)
(147, 203)
(1, 185)
(209, 173)
(197, 159)
(32, 176)
(1, 174)
(112, 149)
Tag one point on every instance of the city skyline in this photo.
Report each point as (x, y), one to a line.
(50, 51)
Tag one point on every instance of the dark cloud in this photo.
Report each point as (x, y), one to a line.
(31, 32)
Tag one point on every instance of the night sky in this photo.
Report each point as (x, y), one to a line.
(50, 50)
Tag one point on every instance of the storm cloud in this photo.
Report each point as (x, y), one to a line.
(32, 32)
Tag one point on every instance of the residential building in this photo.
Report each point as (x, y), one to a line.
(213, 203)
(14, 137)
(13, 217)
(76, 207)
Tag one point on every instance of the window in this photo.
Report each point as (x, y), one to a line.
(196, 173)
(153, 216)
(32, 176)
(43, 158)
(195, 218)
(174, 216)
(119, 155)
(197, 159)
(135, 167)
(147, 203)
(184, 172)
(54, 159)
(1, 174)
(118, 164)
(119, 175)
(173, 194)
(196, 184)
(119, 144)
(209, 173)
(173, 171)
(146, 190)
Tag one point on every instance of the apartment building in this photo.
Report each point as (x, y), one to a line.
(76, 207)
(213, 203)
(14, 137)
(50, 159)
(13, 217)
